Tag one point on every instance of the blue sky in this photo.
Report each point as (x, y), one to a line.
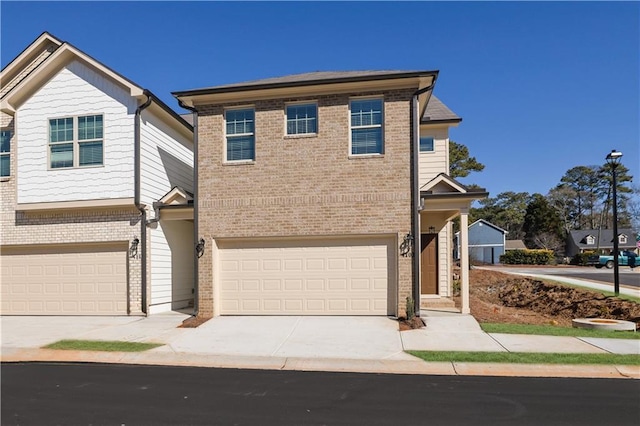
(541, 86)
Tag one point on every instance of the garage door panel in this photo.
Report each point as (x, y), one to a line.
(337, 278)
(64, 280)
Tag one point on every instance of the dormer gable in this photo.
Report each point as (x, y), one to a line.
(589, 240)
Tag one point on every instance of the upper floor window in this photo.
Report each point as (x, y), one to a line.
(5, 153)
(76, 141)
(622, 239)
(591, 240)
(240, 133)
(366, 126)
(302, 119)
(426, 144)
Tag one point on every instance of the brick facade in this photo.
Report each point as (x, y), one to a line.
(306, 185)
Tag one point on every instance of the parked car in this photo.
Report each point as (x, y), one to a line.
(607, 261)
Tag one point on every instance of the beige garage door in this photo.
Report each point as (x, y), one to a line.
(323, 277)
(78, 280)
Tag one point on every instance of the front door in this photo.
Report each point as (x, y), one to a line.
(429, 264)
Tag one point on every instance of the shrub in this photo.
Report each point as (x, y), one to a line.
(528, 257)
(581, 258)
(411, 311)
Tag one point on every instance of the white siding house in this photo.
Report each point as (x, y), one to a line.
(77, 221)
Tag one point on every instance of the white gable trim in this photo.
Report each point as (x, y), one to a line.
(448, 181)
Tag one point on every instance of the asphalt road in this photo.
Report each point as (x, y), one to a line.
(631, 279)
(94, 394)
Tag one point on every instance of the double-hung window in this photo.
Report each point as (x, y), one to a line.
(366, 126)
(5, 153)
(426, 144)
(76, 141)
(302, 119)
(240, 133)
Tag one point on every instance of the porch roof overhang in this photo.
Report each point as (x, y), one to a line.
(443, 193)
(175, 211)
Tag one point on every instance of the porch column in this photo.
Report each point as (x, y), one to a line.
(464, 260)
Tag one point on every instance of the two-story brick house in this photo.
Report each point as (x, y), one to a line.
(85, 155)
(313, 191)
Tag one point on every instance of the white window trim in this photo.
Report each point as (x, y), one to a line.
(301, 135)
(76, 142)
(224, 127)
(7, 154)
(364, 98)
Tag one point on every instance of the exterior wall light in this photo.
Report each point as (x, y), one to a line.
(200, 247)
(406, 247)
(133, 249)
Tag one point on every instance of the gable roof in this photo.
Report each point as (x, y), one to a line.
(32, 73)
(485, 222)
(579, 238)
(514, 245)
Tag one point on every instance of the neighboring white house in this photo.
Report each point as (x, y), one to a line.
(85, 154)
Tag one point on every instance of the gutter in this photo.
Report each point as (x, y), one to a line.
(415, 192)
(137, 190)
(196, 305)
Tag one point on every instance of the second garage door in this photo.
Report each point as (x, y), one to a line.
(312, 277)
(64, 280)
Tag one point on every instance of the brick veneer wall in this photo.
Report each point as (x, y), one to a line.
(305, 186)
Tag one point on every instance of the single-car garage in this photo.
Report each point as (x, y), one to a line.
(338, 276)
(64, 280)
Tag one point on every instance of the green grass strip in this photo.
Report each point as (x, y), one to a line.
(102, 345)
(528, 358)
(551, 330)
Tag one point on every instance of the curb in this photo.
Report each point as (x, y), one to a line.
(417, 367)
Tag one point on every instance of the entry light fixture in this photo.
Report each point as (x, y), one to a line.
(406, 247)
(133, 249)
(200, 248)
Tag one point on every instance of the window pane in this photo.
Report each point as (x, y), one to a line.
(90, 153)
(4, 165)
(366, 141)
(426, 144)
(61, 129)
(62, 155)
(239, 121)
(240, 148)
(366, 112)
(302, 119)
(5, 141)
(90, 127)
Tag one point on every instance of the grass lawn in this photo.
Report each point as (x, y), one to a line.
(527, 358)
(102, 345)
(550, 330)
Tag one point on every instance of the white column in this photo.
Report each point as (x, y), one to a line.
(464, 260)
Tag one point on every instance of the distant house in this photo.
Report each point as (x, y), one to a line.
(599, 240)
(514, 245)
(487, 242)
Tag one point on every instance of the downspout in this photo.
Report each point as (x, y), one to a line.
(415, 152)
(196, 305)
(136, 197)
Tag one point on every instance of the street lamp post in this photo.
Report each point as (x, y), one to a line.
(613, 158)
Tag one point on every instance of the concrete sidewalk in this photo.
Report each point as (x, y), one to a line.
(355, 344)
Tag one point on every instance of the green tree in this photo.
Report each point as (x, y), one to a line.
(460, 163)
(506, 210)
(542, 225)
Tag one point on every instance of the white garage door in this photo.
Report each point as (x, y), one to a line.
(79, 280)
(327, 277)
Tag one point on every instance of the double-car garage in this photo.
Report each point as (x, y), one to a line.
(64, 280)
(338, 276)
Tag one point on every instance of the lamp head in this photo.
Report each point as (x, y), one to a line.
(613, 157)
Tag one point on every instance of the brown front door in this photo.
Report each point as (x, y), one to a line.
(429, 264)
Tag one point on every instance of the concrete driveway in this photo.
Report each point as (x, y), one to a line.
(256, 336)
